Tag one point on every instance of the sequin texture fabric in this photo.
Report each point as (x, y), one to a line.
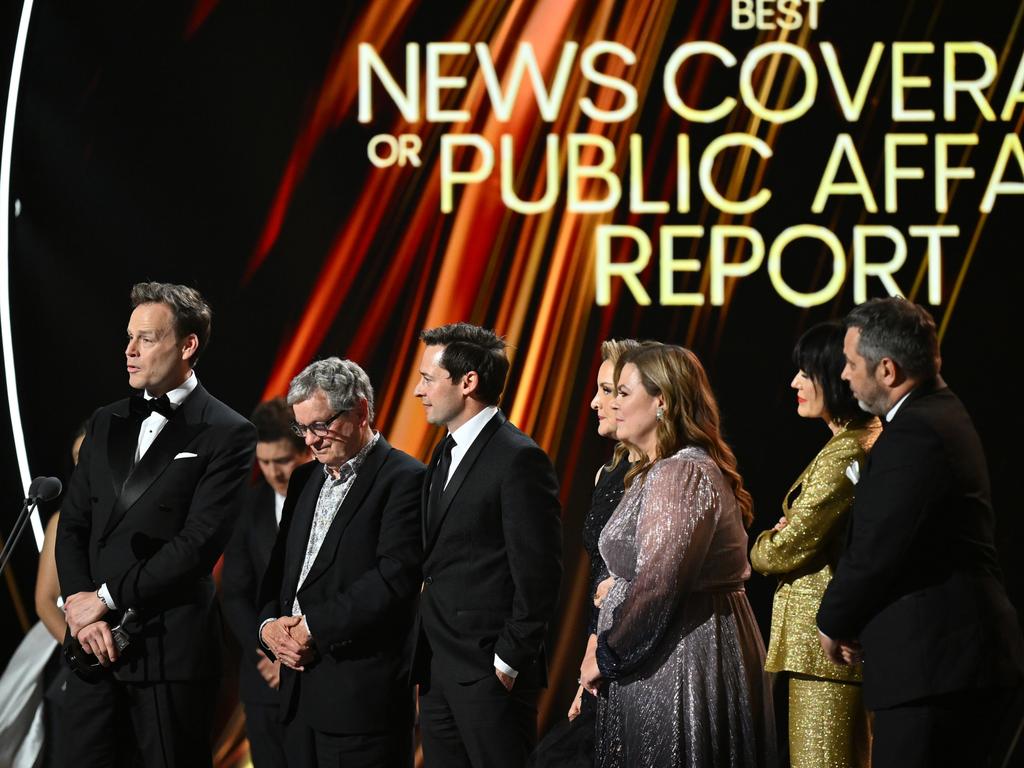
(828, 725)
(688, 685)
(804, 553)
(607, 495)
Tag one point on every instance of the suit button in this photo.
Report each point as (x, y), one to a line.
(428, 580)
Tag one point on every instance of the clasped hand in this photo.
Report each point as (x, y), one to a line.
(590, 673)
(587, 667)
(290, 641)
(602, 591)
(83, 609)
(843, 652)
(84, 612)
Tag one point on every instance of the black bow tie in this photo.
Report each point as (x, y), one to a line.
(142, 407)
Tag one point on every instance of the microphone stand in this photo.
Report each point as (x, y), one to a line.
(16, 531)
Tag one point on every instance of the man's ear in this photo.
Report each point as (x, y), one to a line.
(364, 411)
(888, 372)
(470, 382)
(189, 346)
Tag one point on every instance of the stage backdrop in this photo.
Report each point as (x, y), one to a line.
(336, 176)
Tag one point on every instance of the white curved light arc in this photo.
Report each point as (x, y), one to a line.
(17, 431)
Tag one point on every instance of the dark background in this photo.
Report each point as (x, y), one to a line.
(150, 147)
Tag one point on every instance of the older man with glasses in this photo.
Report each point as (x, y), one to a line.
(339, 593)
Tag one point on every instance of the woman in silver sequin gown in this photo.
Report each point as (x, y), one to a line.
(679, 663)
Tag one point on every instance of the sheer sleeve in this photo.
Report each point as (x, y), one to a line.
(598, 573)
(677, 521)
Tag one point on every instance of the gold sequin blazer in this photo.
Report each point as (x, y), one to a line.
(804, 553)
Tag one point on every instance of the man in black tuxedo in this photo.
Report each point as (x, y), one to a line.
(919, 585)
(339, 594)
(151, 506)
(492, 548)
(278, 452)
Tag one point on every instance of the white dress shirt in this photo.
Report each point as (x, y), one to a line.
(151, 427)
(463, 438)
(892, 411)
(153, 424)
(278, 507)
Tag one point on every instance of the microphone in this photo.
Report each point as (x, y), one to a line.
(44, 489)
(40, 489)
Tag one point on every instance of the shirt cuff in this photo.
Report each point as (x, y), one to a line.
(504, 668)
(259, 633)
(104, 595)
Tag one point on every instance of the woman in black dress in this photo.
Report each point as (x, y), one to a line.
(572, 742)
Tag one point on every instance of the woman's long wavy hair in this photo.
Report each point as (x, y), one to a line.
(611, 351)
(690, 413)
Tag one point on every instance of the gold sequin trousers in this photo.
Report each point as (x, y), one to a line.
(828, 726)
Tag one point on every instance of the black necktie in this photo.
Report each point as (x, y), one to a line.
(143, 408)
(440, 477)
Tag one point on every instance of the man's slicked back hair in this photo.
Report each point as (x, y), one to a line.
(191, 312)
(472, 348)
(900, 330)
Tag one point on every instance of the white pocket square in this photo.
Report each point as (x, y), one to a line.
(853, 471)
(186, 455)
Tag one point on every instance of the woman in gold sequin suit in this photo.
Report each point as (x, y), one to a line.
(679, 658)
(828, 726)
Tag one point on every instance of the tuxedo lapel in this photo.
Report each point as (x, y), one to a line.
(425, 494)
(353, 500)
(122, 440)
(298, 533)
(462, 472)
(176, 434)
(922, 390)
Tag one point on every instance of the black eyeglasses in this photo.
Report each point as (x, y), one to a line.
(318, 428)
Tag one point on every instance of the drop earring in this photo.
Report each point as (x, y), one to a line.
(660, 414)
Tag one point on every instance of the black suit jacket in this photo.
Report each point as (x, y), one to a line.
(359, 597)
(919, 582)
(153, 533)
(245, 562)
(492, 561)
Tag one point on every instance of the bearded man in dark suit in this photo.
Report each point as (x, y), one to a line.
(151, 506)
(492, 538)
(279, 451)
(918, 593)
(339, 594)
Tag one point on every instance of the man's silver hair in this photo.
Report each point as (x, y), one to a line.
(342, 381)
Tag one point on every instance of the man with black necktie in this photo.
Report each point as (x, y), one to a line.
(492, 549)
(151, 506)
(918, 593)
(279, 451)
(339, 595)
